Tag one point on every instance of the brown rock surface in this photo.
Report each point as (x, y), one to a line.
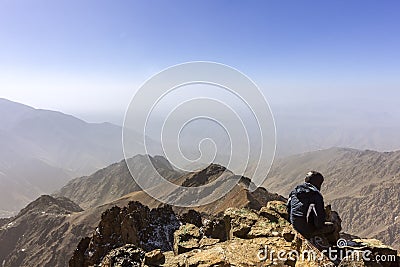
(259, 238)
(186, 238)
(154, 258)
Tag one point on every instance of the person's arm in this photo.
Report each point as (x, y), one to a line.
(319, 216)
(289, 205)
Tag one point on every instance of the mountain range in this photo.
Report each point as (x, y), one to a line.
(47, 231)
(358, 184)
(41, 150)
(46, 234)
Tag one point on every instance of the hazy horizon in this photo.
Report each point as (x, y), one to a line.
(338, 55)
(298, 126)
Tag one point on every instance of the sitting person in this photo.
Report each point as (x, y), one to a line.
(306, 208)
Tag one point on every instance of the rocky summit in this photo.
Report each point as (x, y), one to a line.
(138, 236)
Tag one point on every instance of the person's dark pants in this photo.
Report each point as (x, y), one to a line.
(327, 231)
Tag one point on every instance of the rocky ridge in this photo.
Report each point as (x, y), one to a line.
(239, 237)
(47, 232)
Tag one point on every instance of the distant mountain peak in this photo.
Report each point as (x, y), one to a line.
(54, 205)
(204, 176)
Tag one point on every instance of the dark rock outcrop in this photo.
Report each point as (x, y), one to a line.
(128, 255)
(215, 228)
(154, 258)
(135, 224)
(192, 217)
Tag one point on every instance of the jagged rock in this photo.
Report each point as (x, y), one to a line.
(135, 224)
(128, 255)
(275, 212)
(210, 257)
(244, 223)
(154, 258)
(239, 222)
(215, 228)
(205, 241)
(159, 232)
(242, 252)
(256, 238)
(192, 217)
(78, 259)
(186, 238)
(279, 207)
(262, 228)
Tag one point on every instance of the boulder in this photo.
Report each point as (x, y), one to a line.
(239, 222)
(279, 207)
(215, 228)
(128, 255)
(192, 217)
(186, 238)
(154, 258)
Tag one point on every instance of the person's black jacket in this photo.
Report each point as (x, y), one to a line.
(306, 209)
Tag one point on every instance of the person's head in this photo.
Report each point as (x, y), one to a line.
(314, 178)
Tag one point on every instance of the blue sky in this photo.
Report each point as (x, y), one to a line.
(59, 54)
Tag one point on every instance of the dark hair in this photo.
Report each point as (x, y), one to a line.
(314, 178)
